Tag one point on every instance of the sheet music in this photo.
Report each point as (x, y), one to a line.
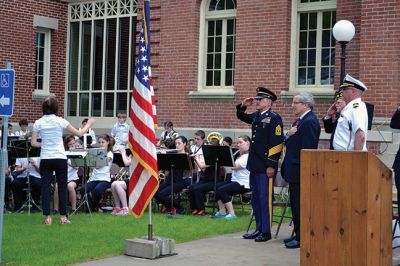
(95, 157)
(76, 154)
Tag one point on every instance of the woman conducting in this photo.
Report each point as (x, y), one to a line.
(52, 155)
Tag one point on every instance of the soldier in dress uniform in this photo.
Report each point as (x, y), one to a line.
(265, 151)
(352, 124)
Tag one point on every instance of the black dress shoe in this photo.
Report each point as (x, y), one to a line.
(263, 237)
(287, 240)
(252, 235)
(293, 244)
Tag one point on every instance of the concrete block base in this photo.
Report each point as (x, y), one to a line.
(150, 249)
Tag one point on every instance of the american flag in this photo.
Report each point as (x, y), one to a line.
(142, 141)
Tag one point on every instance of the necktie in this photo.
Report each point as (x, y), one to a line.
(296, 123)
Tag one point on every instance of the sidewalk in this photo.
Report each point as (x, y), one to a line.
(229, 249)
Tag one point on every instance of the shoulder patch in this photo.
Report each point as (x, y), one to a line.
(278, 130)
(355, 105)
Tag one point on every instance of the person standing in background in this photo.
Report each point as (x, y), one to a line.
(395, 124)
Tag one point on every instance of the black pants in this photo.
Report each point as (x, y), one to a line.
(197, 192)
(47, 167)
(294, 189)
(227, 189)
(95, 190)
(163, 195)
(7, 191)
(18, 186)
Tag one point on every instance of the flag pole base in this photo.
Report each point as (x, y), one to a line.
(150, 249)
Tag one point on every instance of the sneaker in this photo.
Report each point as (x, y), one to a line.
(219, 214)
(164, 210)
(194, 212)
(230, 217)
(173, 212)
(123, 212)
(115, 210)
(201, 213)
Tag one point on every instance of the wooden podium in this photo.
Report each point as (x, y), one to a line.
(346, 209)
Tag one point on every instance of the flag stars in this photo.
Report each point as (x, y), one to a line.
(142, 49)
(144, 58)
(145, 78)
(141, 39)
(145, 68)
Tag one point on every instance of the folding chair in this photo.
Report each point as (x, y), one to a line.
(281, 200)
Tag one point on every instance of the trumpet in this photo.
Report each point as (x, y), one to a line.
(121, 174)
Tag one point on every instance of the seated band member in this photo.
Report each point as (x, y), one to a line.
(239, 183)
(100, 179)
(196, 149)
(73, 178)
(197, 191)
(23, 168)
(163, 194)
(168, 135)
(119, 189)
(7, 188)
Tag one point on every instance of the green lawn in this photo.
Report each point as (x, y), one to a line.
(27, 241)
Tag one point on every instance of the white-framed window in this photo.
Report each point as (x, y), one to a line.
(312, 57)
(42, 60)
(216, 70)
(101, 51)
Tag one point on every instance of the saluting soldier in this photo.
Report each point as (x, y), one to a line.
(265, 151)
(352, 124)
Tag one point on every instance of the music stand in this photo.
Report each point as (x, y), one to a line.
(171, 162)
(217, 156)
(96, 157)
(24, 149)
(117, 158)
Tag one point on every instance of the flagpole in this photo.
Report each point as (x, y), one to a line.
(150, 225)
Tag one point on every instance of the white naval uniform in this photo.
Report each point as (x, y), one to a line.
(353, 117)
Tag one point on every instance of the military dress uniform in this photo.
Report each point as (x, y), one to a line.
(265, 150)
(353, 117)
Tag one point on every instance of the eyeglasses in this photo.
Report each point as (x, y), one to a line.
(296, 102)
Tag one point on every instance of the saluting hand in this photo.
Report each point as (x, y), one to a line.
(248, 101)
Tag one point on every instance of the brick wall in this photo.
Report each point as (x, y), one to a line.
(19, 48)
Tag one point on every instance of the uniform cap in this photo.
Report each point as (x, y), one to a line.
(265, 93)
(349, 81)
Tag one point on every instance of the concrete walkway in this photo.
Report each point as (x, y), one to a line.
(229, 249)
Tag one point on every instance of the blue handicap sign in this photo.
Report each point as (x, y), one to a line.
(7, 78)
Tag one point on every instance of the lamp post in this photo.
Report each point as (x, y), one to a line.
(343, 31)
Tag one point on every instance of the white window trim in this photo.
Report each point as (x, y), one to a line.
(46, 68)
(298, 7)
(202, 91)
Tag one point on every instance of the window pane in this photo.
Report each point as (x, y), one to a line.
(302, 76)
(229, 78)
(218, 27)
(85, 61)
(98, 54)
(332, 75)
(311, 57)
(210, 44)
(304, 21)
(217, 78)
(302, 57)
(230, 27)
(313, 21)
(84, 104)
(122, 101)
(303, 39)
(230, 4)
(218, 44)
(326, 20)
(72, 103)
(41, 53)
(209, 78)
(110, 51)
(217, 59)
(96, 104)
(40, 68)
(311, 75)
(210, 61)
(324, 75)
(229, 43)
(211, 25)
(73, 57)
(133, 54)
(229, 61)
(108, 105)
(39, 85)
(326, 38)
(325, 57)
(312, 39)
(123, 53)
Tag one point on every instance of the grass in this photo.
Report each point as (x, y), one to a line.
(27, 241)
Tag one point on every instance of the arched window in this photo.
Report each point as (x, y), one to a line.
(217, 47)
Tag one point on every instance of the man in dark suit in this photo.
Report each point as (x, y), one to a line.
(265, 150)
(395, 124)
(304, 134)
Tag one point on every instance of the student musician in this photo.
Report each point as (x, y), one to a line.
(119, 189)
(73, 178)
(168, 136)
(100, 179)
(197, 191)
(163, 194)
(23, 125)
(196, 149)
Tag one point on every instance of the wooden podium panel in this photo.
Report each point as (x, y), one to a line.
(346, 215)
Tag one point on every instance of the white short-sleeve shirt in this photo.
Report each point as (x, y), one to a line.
(241, 176)
(353, 117)
(103, 173)
(50, 128)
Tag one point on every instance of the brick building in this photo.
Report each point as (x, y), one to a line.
(207, 55)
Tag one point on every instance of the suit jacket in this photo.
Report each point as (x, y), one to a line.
(306, 137)
(266, 140)
(395, 124)
(330, 127)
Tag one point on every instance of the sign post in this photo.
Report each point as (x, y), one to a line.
(7, 80)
